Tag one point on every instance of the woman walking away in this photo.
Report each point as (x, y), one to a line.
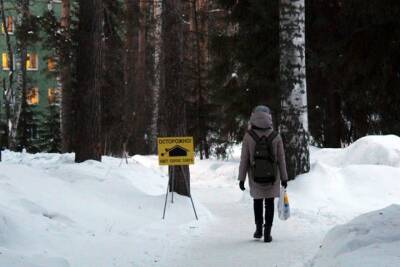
(263, 160)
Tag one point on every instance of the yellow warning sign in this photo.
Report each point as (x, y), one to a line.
(175, 151)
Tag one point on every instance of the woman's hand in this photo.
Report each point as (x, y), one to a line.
(241, 185)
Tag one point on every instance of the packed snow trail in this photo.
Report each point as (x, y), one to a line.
(56, 213)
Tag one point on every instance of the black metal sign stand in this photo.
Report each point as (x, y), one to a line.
(171, 182)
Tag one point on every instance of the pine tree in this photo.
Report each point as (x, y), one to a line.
(57, 39)
(28, 127)
(172, 118)
(89, 77)
(50, 131)
(27, 35)
(244, 65)
(112, 94)
(352, 57)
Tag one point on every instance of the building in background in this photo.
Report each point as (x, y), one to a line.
(43, 85)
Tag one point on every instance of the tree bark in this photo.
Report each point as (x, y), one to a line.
(89, 77)
(20, 62)
(131, 49)
(294, 116)
(142, 94)
(156, 35)
(200, 31)
(173, 108)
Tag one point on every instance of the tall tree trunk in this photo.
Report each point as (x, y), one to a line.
(294, 117)
(8, 89)
(89, 77)
(156, 35)
(67, 110)
(131, 49)
(113, 79)
(20, 62)
(172, 108)
(199, 22)
(142, 95)
(333, 126)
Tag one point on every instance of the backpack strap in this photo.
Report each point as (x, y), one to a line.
(270, 139)
(272, 136)
(256, 138)
(253, 134)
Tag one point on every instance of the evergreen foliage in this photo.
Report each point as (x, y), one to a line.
(49, 131)
(28, 128)
(244, 66)
(353, 74)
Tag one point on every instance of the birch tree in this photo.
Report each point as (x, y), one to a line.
(8, 85)
(294, 121)
(15, 94)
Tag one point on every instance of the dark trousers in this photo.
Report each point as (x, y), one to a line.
(269, 211)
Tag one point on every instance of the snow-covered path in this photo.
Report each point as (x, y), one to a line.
(227, 239)
(54, 213)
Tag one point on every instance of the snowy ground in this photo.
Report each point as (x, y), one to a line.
(57, 213)
(370, 240)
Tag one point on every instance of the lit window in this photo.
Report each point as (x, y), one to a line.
(51, 64)
(52, 95)
(32, 96)
(31, 61)
(5, 62)
(9, 25)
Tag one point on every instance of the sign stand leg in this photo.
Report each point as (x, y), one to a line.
(190, 195)
(166, 199)
(172, 184)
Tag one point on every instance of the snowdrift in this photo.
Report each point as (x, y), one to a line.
(56, 213)
(372, 150)
(370, 240)
(347, 182)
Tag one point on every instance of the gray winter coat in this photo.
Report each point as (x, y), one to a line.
(257, 190)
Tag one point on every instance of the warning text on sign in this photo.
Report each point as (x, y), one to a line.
(174, 151)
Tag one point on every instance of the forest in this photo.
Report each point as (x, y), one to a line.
(199, 133)
(133, 70)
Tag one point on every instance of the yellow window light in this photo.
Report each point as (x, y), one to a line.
(31, 61)
(4, 61)
(32, 96)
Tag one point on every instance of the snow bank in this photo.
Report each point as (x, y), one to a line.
(370, 240)
(351, 181)
(374, 150)
(56, 213)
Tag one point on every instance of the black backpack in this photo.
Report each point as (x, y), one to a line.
(264, 164)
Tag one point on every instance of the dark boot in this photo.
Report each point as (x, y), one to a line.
(267, 234)
(258, 216)
(258, 233)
